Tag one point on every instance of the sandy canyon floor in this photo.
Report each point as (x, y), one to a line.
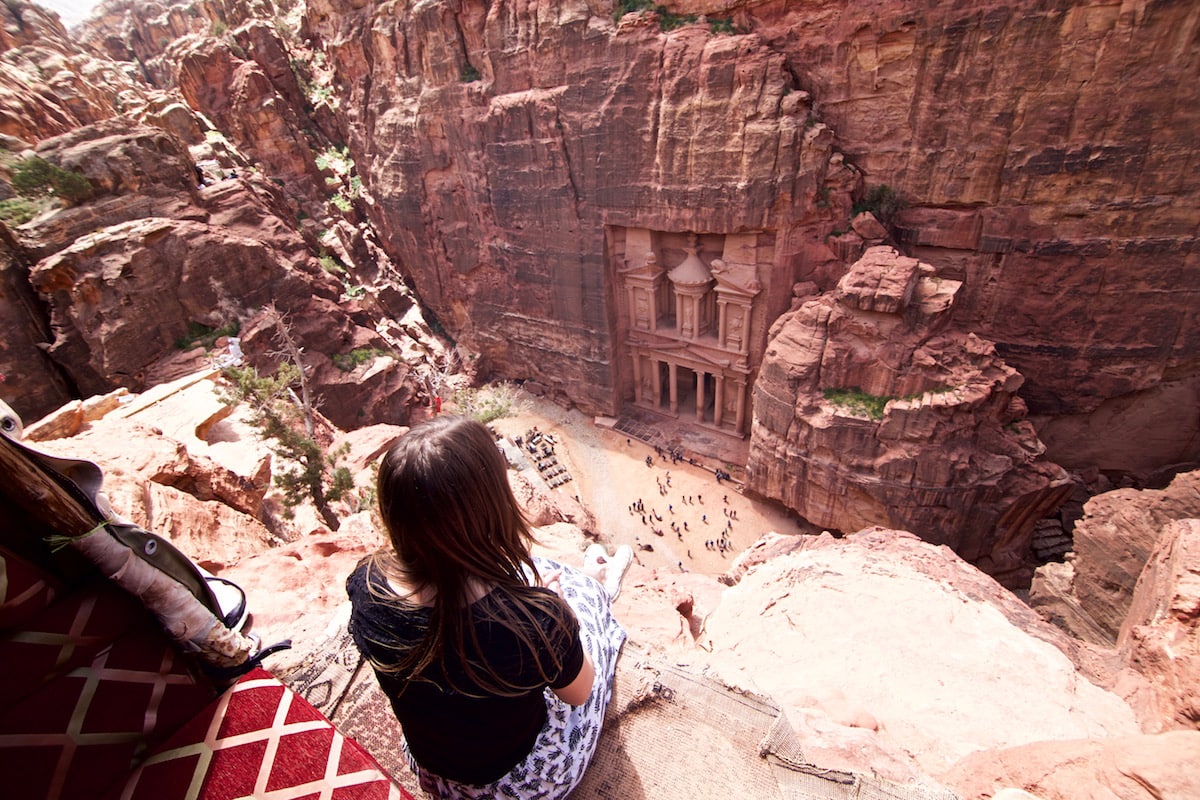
(610, 474)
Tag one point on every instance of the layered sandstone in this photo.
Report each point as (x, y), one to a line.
(1152, 767)
(503, 147)
(1092, 594)
(869, 411)
(47, 85)
(503, 142)
(1160, 636)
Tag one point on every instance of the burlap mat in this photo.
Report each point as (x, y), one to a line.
(669, 733)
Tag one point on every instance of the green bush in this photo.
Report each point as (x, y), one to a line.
(199, 334)
(858, 402)
(490, 402)
(882, 201)
(346, 362)
(331, 264)
(667, 21)
(37, 177)
(469, 74)
(18, 210)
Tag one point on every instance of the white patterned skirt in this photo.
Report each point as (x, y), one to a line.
(565, 746)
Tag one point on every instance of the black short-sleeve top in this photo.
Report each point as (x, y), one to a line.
(454, 728)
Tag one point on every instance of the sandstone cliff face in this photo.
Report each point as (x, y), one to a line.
(503, 141)
(101, 291)
(1161, 634)
(1038, 145)
(502, 146)
(897, 635)
(47, 86)
(945, 452)
(113, 284)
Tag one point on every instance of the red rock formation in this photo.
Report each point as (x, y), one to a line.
(499, 194)
(501, 142)
(47, 85)
(891, 634)
(1018, 134)
(1128, 767)
(1160, 636)
(1113, 542)
(246, 103)
(946, 453)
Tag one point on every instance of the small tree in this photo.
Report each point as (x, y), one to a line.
(883, 202)
(288, 419)
(314, 475)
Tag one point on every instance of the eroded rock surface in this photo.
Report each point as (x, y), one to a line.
(868, 410)
(906, 638)
(1160, 636)
(1113, 541)
(1129, 767)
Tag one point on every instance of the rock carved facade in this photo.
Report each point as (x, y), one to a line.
(691, 324)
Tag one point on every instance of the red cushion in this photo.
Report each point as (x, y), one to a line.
(69, 633)
(259, 737)
(82, 732)
(25, 590)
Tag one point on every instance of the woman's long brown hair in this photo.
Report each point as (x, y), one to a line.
(454, 525)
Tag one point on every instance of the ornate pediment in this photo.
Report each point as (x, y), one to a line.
(648, 269)
(734, 280)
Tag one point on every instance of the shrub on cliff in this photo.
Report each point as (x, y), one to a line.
(882, 201)
(18, 210)
(313, 474)
(37, 177)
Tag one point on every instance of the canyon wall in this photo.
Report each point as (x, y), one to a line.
(509, 154)
(504, 146)
(1041, 149)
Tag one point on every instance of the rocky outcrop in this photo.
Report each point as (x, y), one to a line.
(869, 411)
(903, 640)
(1042, 187)
(1160, 637)
(115, 285)
(257, 109)
(1092, 594)
(48, 86)
(1128, 767)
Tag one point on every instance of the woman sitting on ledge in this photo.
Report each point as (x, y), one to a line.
(497, 664)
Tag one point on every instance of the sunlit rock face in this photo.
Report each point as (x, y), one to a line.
(869, 411)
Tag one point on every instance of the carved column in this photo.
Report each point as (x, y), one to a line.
(719, 400)
(740, 419)
(672, 378)
(637, 376)
(656, 377)
(699, 396)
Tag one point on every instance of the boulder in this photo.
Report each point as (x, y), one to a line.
(1112, 544)
(911, 641)
(1150, 767)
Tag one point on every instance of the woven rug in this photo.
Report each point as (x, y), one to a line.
(670, 734)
